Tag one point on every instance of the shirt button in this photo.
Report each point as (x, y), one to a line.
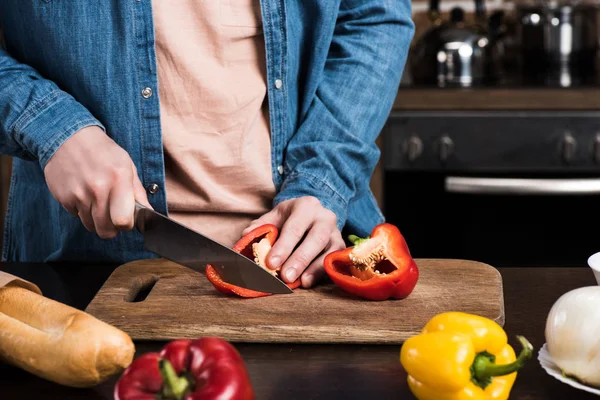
(153, 188)
(280, 170)
(278, 83)
(147, 93)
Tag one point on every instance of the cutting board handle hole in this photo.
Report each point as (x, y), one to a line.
(142, 289)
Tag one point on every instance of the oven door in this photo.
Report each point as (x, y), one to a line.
(501, 220)
(506, 188)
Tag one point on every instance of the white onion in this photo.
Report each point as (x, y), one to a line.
(573, 334)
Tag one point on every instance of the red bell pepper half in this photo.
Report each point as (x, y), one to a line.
(376, 268)
(204, 369)
(255, 245)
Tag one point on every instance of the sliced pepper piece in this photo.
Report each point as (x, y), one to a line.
(378, 267)
(461, 356)
(255, 245)
(205, 368)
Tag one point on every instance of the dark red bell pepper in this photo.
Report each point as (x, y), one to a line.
(204, 369)
(255, 245)
(376, 268)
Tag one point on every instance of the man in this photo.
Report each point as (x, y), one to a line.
(223, 114)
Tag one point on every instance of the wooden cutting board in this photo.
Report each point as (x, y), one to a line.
(183, 304)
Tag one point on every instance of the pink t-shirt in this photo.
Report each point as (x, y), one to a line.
(215, 121)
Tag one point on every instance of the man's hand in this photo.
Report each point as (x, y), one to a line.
(95, 179)
(304, 222)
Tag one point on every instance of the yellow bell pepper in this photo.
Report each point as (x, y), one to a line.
(460, 356)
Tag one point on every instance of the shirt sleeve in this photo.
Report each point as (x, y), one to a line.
(333, 153)
(36, 116)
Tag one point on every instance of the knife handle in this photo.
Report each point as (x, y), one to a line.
(138, 207)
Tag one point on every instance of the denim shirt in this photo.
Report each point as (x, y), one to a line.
(333, 71)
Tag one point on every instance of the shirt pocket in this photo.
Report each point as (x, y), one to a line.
(241, 13)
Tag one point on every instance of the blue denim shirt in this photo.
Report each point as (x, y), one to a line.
(333, 71)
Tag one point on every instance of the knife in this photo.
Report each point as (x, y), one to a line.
(173, 241)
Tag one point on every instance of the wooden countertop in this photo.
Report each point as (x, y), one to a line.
(322, 371)
(518, 99)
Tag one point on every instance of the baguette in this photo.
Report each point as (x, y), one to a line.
(57, 342)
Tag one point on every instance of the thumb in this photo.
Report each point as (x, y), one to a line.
(274, 217)
(138, 189)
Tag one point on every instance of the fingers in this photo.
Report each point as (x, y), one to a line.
(94, 179)
(112, 204)
(71, 209)
(317, 240)
(292, 232)
(254, 224)
(101, 215)
(307, 230)
(122, 203)
(315, 272)
(138, 189)
(274, 217)
(85, 215)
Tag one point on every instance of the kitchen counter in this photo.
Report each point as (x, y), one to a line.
(501, 98)
(319, 371)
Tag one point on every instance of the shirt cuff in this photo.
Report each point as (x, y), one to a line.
(302, 184)
(49, 122)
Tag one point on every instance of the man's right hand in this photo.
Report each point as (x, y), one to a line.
(96, 180)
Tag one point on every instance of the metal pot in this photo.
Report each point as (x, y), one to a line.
(559, 43)
(455, 53)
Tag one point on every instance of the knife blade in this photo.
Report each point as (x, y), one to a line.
(178, 243)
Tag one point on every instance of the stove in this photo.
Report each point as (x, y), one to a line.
(505, 187)
(529, 142)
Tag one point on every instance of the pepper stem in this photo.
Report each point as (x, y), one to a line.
(355, 240)
(484, 367)
(174, 387)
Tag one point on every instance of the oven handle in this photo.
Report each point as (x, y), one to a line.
(511, 186)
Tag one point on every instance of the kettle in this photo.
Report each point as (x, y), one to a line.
(456, 53)
(559, 42)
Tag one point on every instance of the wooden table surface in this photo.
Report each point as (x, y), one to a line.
(320, 371)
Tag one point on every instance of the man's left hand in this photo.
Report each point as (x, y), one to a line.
(305, 223)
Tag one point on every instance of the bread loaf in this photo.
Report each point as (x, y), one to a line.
(57, 342)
